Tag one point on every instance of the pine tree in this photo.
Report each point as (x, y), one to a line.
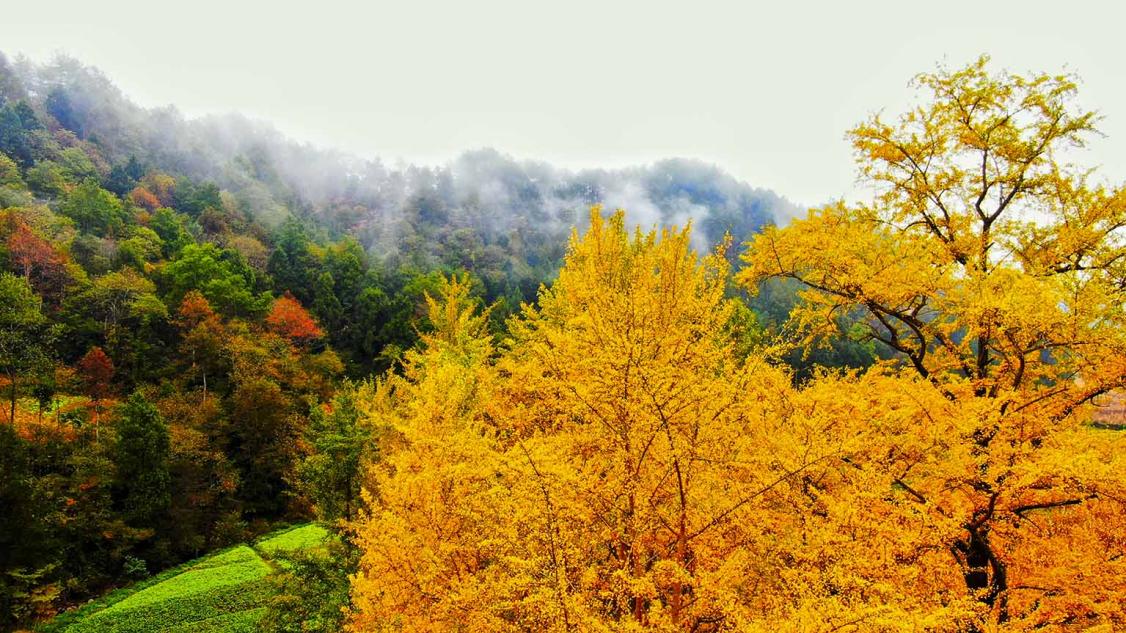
(141, 456)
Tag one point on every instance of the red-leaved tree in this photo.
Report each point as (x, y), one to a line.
(95, 370)
(27, 251)
(289, 319)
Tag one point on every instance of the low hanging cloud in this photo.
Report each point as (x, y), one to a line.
(485, 191)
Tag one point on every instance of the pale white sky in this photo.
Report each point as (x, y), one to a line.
(765, 90)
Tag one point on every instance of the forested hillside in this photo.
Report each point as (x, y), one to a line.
(243, 186)
(182, 299)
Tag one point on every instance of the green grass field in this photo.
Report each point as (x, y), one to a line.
(302, 538)
(223, 592)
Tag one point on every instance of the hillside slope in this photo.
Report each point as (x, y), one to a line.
(222, 592)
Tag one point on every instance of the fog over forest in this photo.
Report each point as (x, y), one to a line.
(483, 190)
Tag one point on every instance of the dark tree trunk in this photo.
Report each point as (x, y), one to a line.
(984, 573)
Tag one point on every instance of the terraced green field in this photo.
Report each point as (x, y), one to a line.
(301, 538)
(222, 592)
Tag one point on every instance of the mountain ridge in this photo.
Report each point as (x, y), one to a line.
(273, 176)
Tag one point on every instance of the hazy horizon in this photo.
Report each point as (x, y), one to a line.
(750, 90)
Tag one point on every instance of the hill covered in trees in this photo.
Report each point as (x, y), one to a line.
(271, 177)
(182, 302)
(245, 187)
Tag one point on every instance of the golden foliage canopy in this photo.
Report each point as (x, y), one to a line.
(994, 271)
(618, 464)
(615, 465)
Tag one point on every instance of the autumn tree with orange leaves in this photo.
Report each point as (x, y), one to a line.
(95, 370)
(144, 198)
(32, 257)
(27, 251)
(203, 334)
(290, 319)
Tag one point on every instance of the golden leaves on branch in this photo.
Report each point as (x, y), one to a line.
(993, 270)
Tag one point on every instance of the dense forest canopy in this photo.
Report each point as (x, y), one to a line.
(244, 187)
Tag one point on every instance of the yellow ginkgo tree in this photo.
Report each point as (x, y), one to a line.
(616, 466)
(431, 553)
(994, 271)
(662, 457)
